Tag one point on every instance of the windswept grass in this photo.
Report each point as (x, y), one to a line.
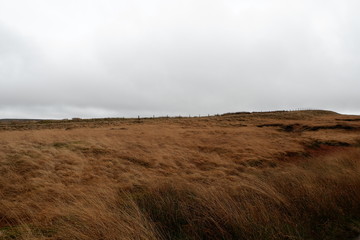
(183, 179)
(317, 200)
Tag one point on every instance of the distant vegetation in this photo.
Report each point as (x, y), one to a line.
(274, 175)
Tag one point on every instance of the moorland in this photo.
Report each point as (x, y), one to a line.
(269, 175)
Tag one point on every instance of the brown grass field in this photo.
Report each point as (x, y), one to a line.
(275, 175)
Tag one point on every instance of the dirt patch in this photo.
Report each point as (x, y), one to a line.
(320, 148)
(271, 125)
(337, 126)
(302, 128)
(290, 156)
(317, 143)
(314, 149)
(349, 119)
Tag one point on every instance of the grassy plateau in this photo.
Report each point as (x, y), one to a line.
(274, 175)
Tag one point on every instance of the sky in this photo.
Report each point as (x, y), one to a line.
(117, 58)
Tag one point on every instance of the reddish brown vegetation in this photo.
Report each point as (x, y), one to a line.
(280, 175)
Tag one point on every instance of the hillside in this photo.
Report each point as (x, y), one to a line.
(272, 175)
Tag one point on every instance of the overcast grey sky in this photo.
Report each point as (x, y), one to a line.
(108, 58)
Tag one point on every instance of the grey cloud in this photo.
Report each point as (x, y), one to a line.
(181, 57)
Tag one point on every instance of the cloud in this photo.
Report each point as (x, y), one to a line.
(91, 58)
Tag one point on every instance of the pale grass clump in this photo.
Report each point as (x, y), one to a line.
(93, 213)
(101, 215)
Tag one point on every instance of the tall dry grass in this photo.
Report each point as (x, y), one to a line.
(316, 199)
(208, 178)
